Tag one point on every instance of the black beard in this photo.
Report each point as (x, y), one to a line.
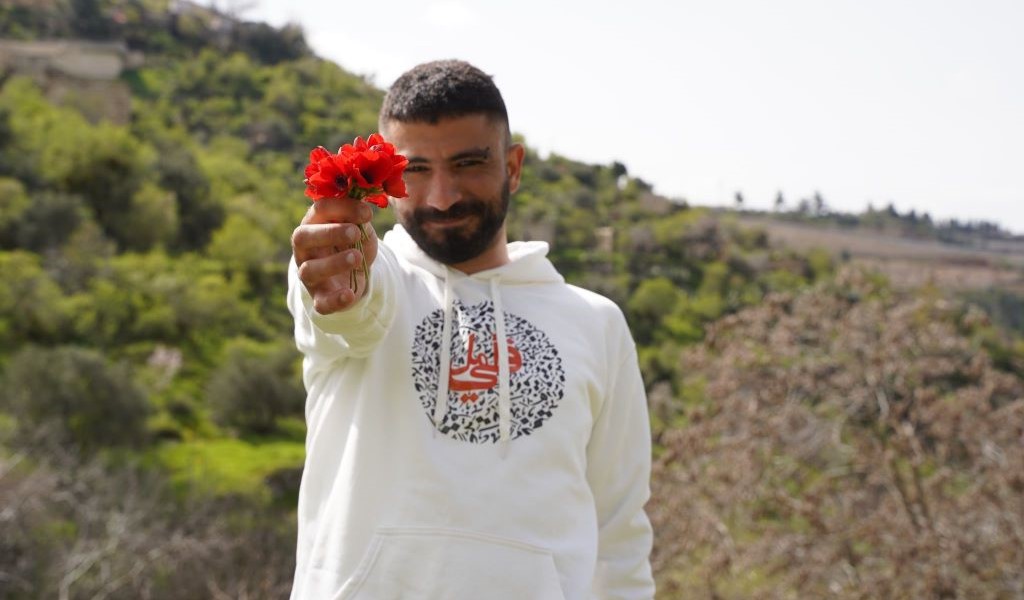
(459, 245)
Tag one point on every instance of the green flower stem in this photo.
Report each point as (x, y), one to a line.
(353, 280)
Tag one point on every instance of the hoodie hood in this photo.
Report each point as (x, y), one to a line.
(528, 261)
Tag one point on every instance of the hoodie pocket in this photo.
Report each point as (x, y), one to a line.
(414, 563)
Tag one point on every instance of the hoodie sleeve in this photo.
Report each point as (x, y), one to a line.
(350, 333)
(619, 469)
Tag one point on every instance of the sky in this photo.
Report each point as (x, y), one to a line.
(918, 103)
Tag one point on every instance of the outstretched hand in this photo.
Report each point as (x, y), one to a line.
(325, 253)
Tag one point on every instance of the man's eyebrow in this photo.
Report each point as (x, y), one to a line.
(480, 153)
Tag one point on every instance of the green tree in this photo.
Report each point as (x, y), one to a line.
(153, 218)
(254, 387)
(14, 203)
(242, 245)
(74, 398)
(199, 214)
(652, 300)
(30, 302)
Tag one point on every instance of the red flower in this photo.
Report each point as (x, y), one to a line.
(368, 169)
(328, 175)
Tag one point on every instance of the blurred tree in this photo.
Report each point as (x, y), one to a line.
(255, 386)
(198, 213)
(14, 203)
(242, 245)
(107, 165)
(154, 219)
(30, 302)
(819, 204)
(89, 20)
(74, 398)
(270, 45)
(652, 300)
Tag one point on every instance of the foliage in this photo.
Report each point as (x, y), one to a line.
(256, 386)
(30, 306)
(72, 398)
(228, 466)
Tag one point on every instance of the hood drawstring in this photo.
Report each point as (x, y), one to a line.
(441, 403)
(504, 374)
(504, 391)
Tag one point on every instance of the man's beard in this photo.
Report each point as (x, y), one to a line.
(458, 244)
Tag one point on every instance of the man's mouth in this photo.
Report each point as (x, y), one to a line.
(448, 220)
(451, 219)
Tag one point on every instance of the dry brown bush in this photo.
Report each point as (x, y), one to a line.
(847, 442)
(70, 530)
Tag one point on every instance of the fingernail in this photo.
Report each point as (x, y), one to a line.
(351, 233)
(364, 212)
(350, 258)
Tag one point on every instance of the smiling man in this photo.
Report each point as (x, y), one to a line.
(477, 428)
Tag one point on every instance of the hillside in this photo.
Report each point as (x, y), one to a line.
(151, 407)
(848, 441)
(978, 263)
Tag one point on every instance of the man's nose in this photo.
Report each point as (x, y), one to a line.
(443, 191)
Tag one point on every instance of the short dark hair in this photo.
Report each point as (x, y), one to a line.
(442, 89)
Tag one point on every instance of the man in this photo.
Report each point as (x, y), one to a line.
(477, 429)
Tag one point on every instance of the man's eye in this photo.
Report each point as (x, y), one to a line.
(469, 162)
(415, 169)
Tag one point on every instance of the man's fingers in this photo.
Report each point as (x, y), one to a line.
(313, 272)
(307, 238)
(323, 247)
(332, 301)
(338, 210)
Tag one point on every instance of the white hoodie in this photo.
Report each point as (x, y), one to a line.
(533, 485)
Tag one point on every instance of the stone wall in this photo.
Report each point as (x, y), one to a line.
(78, 73)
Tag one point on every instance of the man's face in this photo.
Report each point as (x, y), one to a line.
(459, 180)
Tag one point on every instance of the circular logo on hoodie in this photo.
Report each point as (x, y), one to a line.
(536, 377)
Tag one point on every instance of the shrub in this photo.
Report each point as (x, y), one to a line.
(254, 387)
(73, 398)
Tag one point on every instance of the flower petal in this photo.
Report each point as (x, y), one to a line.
(317, 154)
(380, 200)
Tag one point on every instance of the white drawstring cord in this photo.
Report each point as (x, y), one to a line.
(441, 403)
(504, 392)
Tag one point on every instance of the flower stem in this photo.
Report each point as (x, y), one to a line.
(359, 244)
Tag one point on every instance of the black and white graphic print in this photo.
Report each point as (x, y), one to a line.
(536, 377)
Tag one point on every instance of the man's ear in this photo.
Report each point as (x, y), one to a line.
(514, 165)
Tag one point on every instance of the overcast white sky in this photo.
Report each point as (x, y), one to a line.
(920, 103)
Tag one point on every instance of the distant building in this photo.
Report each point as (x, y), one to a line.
(83, 74)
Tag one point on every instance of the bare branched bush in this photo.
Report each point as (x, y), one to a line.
(847, 442)
(70, 530)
